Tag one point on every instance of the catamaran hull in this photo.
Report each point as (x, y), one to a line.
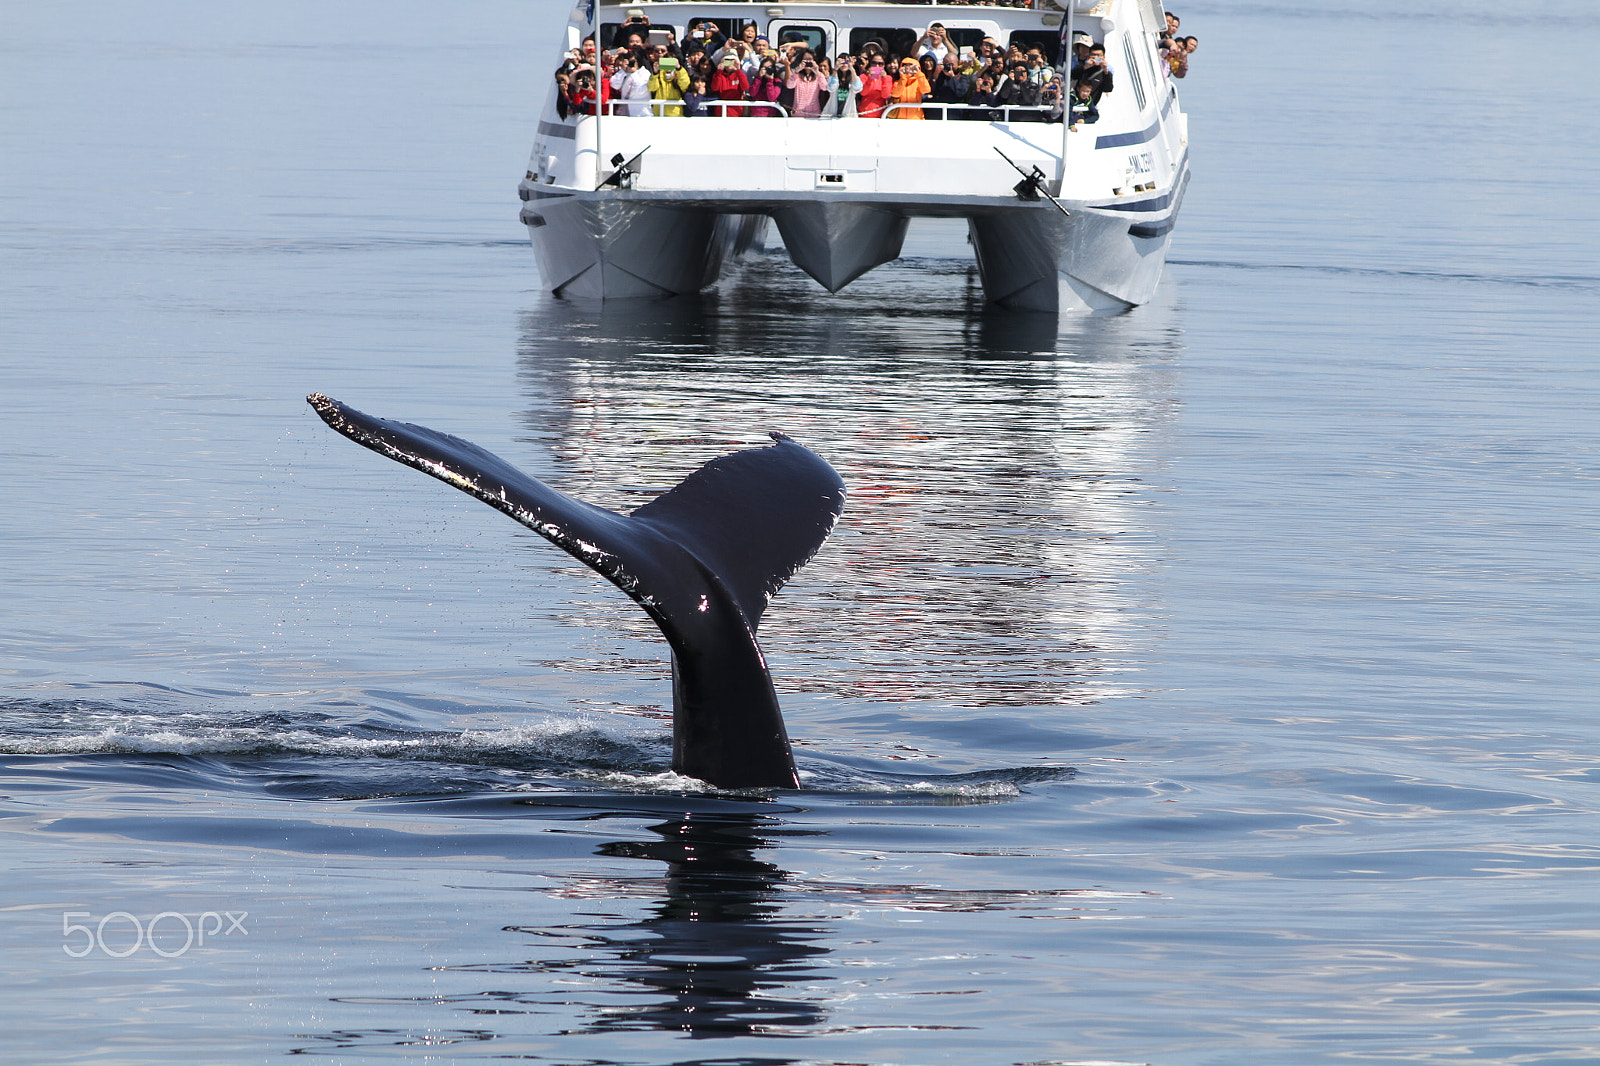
(1031, 255)
(604, 248)
(838, 241)
(1101, 257)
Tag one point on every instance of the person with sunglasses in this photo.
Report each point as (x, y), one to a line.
(876, 88)
(1019, 91)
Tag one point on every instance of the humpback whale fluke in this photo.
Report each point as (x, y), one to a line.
(703, 560)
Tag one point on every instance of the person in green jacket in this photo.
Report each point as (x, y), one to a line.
(669, 82)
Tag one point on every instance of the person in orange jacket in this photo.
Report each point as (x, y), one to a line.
(910, 89)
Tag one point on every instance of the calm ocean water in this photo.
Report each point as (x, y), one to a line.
(1210, 684)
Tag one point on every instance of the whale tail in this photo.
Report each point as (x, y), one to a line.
(703, 560)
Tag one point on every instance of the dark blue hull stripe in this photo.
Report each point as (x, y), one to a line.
(1117, 140)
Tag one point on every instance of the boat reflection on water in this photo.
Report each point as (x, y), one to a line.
(996, 464)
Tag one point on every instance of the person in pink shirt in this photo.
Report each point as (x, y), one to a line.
(807, 83)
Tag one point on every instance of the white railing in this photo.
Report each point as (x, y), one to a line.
(949, 111)
(721, 106)
(1006, 110)
(1030, 4)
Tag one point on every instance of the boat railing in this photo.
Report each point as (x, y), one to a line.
(657, 107)
(1025, 4)
(1006, 111)
(994, 113)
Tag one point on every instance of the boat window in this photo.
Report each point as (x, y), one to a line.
(1046, 41)
(965, 38)
(815, 37)
(615, 32)
(722, 25)
(1134, 71)
(896, 40)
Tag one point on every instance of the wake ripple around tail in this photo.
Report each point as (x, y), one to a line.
(357, 754)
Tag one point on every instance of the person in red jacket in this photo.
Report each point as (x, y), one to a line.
(730, 83)
(876, 88)
(580, 98)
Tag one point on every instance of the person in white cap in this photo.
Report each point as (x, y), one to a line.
(1081, 43)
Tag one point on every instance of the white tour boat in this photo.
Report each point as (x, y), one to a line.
(629, 206)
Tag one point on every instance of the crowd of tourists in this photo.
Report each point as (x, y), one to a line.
(1175, 49)
(647, 71)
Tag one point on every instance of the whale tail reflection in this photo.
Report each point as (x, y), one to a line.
(703, 560)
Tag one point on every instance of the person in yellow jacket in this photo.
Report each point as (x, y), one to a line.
(669, 82)
(910, 89)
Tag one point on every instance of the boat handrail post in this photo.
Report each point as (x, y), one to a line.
(1066, 113)
(592, 23)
